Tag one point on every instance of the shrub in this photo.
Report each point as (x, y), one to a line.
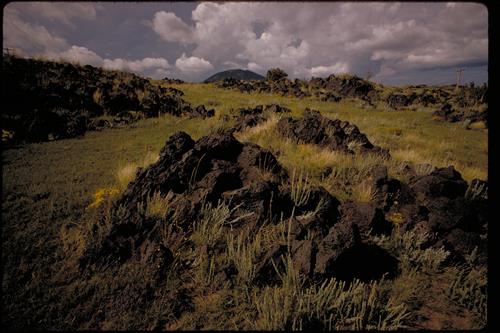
(158, 206)
(209, 229)
(275, 74)
(469, 287)
(243, 254)
(408, 248)
(330, 305)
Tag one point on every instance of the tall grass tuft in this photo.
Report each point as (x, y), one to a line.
(408, 248)
(331, 305)
(158, 206)
(299, 187)
(126, 174)
(243, 254)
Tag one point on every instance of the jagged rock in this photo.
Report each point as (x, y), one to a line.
(397, 100)
(156, 256)
(213, 169)
(460, 242)
(387, 191)
(272, 260)
(172, 81)
(58, 100)
(350, 86)
(342, 236)
(408, 216)
(330, 97)
(276, 108)
(250, 117)
(313, 128)
(462, 114)
(202, 112)
(368, 218)
(442, 182)
(324, 209)
(342, 255)
(303, 257)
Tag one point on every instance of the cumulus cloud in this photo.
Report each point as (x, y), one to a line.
(391, 40)
(255, 67)
(171, 28)
(135, 65)
(193, 64)
(36, 40)
(321, 71)
(28, 37)
(305, 38)
(160, 73)
(81, 55)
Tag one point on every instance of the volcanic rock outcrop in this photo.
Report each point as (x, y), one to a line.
(335, 134)
(325, 238)
(470, 115)
(50, 100)
(250, 117)
(217, 168)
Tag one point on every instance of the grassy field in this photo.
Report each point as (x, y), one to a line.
(48, 187)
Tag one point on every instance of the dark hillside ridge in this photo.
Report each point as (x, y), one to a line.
(54, 100)
(237, 74)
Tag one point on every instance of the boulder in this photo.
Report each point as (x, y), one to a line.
(369, 218)
(201, 112)
(313, 128)
(442, 182)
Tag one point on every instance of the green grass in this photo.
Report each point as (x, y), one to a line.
(410, 136)
(48, 187)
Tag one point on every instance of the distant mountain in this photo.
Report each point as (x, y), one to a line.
(239, 74)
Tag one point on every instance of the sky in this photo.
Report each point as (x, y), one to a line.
(393, 43)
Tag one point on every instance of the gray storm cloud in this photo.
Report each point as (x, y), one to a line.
(404, 40)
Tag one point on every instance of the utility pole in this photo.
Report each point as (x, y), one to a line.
(459, 76)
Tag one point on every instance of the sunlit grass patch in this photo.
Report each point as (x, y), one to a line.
(103, 194)
(127, 173)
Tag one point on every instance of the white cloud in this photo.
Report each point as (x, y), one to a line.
(302, 37)
(327, 70)
(160, 73)
(192, 64)
(171, 28)
(137, 66)
(81, 55)
(232, 64)
(30, 38)
(255, 67)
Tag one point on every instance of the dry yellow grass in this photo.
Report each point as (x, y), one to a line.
(101, 195)
(124, 175)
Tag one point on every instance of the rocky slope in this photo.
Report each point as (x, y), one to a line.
(325, 237)
(468, 102)
(50, 100)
